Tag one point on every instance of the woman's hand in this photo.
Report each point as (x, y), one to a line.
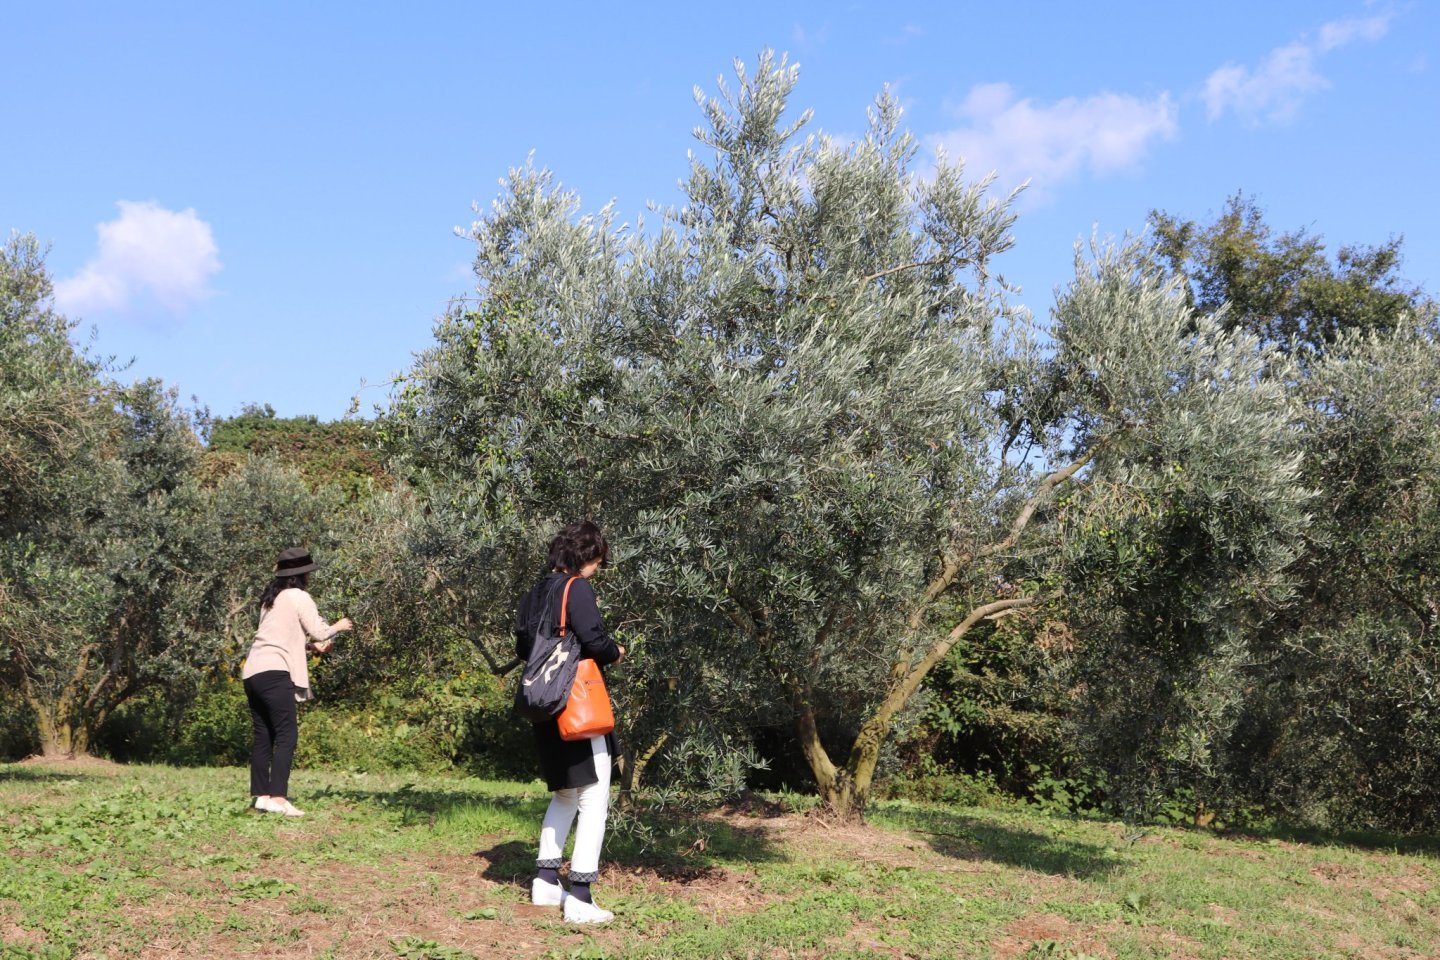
(621, 648)
(342, 625)
(322, 646)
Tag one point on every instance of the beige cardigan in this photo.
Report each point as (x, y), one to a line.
(280, 640)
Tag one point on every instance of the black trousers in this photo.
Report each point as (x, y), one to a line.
(272, 714)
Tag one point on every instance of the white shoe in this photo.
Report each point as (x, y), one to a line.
(544, 894)
(578, 911)
(282, 806)
(263, 804)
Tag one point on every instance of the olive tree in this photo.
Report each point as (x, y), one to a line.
(51, 439)
(801, 404)
(1204, 683)
(120, 571)
(1179, 545)
(1350, 733)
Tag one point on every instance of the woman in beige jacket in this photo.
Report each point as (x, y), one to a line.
(277, 678)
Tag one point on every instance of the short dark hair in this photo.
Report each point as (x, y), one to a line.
(577, 545)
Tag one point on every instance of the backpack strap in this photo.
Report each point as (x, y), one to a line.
(564, 603)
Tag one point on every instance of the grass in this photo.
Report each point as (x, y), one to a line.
(107, 861)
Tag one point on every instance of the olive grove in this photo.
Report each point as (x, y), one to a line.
(1177, 539)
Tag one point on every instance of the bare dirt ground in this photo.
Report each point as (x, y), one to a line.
(460, 901)
(469, 902)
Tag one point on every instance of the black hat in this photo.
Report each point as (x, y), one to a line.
(293, 561)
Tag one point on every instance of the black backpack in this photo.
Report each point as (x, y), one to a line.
(550, 669)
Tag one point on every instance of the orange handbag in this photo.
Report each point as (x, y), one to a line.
(587, 713)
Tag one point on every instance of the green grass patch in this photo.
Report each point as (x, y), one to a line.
(111, 860)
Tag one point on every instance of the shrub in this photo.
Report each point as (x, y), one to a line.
(18, 736)
(422, 724)
(943, 786)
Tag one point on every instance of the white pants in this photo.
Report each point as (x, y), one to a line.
(591, 804)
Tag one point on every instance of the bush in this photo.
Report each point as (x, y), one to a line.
(18, 736)
(216, 728)
(208, 728)
(426, 725)
(951, 789)
(1056, 791)
(138, 731)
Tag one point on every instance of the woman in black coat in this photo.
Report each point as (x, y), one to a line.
(578, 772)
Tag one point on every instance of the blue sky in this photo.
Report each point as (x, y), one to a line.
(256, 202)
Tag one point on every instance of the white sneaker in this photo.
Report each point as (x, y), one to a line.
(544, 894)
(578, 911)
(263, 804)
(283, 806)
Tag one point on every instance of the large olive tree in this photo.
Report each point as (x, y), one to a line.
(805, 410)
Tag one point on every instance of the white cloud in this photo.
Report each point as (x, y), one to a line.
(1338, 33)
(1274, 90)
(147, 252)
(810, 38)
(1050, 143)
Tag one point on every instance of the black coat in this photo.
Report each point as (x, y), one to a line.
(566, 763)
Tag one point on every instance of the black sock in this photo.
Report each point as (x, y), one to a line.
(580, 891)
(548, 874)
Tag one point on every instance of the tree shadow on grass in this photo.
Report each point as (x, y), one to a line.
(508, 862)
(24, 774)
(667, 845)
(422, 806)
(657, 854)
(1415, 845)
(954, 834)
(680, 847)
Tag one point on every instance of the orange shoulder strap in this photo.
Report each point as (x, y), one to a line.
(564, 603)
